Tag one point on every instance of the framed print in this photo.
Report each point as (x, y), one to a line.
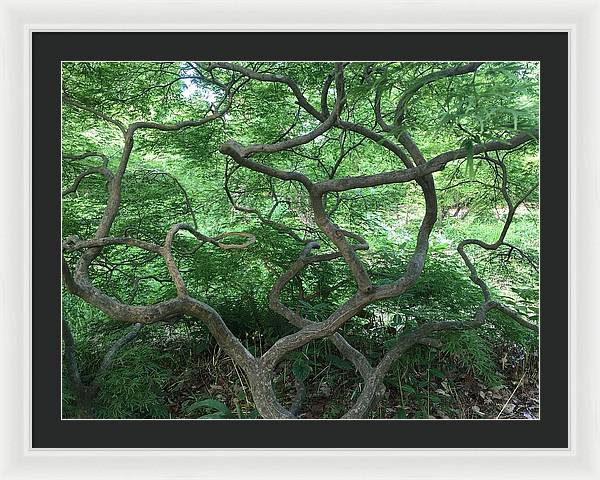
(317, 247)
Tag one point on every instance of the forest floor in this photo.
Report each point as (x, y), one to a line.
(459, 395)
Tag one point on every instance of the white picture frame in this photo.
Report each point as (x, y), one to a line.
(18, 19)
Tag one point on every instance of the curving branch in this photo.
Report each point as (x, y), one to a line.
(72, 244)
(67, 100)
(96, 170)
(512, 208)
(86, 392)
(410, 92)
(299, 398)
(69, 356)
(102, 170)
(515, 316)
(117, 346)
(265, 220)
(82, 156)
(267, 77)
(434, 165)
(188, 202)
(354, 356)
(240, 153)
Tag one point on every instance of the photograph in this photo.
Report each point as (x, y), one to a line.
(300, 240)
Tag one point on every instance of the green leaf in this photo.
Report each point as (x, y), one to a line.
(339, 362)
(222, 410)
(468, 146)
(200, 347)
(301, 369)
(400, 413)
(408, 389)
